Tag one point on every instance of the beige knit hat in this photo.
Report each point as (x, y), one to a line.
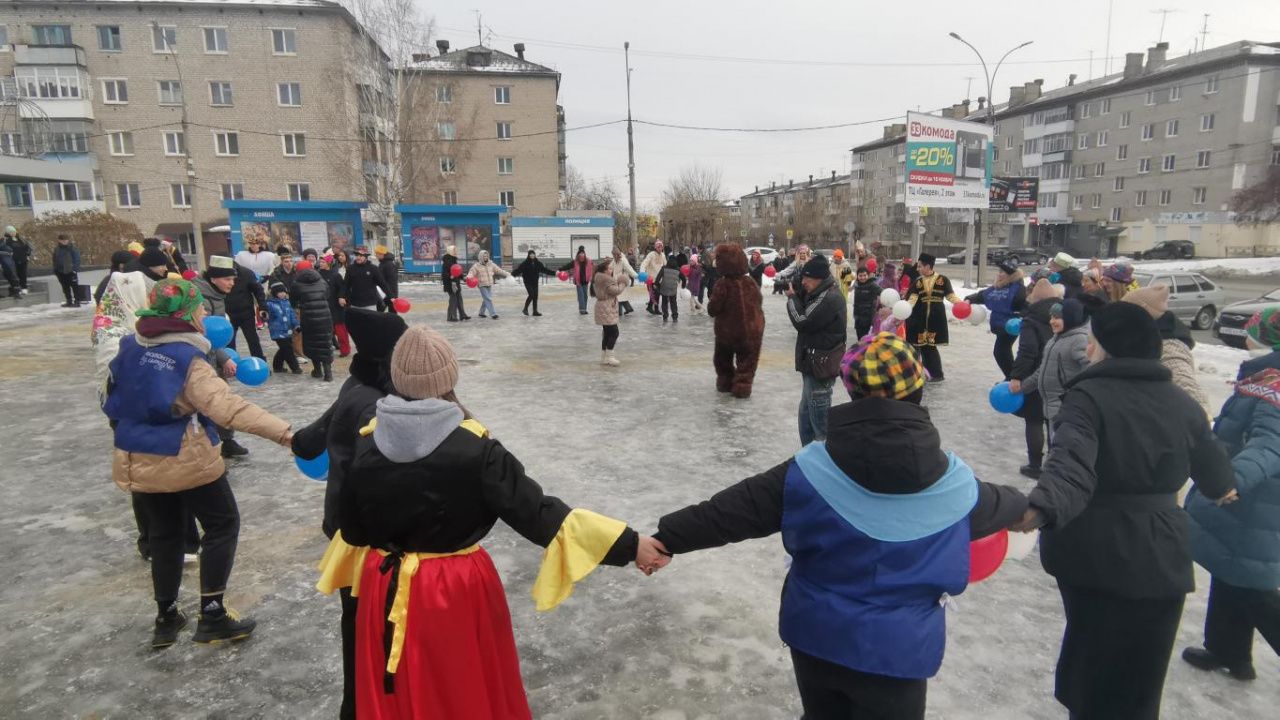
(423, 364)
(1042, 290)
(1153, 298)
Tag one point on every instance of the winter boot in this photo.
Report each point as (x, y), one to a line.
(1205, 660)
(604, 357)
(1031, 471)
(233, 449)
(328, 372)
(222, 626)
(317, 370)
(168, 625)
(610, 359)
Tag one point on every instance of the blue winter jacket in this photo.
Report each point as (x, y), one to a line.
(281, 319)
(1240, 543)
(1002, 303)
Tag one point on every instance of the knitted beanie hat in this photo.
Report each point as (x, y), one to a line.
(1042, 290)
(882, 366)
(1153, 298)
(1070, 311)
(423, 364)
(1121, 272)
(1126, 330)
(817, 267)
(1264, 327)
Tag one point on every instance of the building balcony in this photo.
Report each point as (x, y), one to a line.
(40, 208)
(55, 109)
(1030, 160)
(1055, 185)
(1049, 128)
(50, 55)
(1053, 157)
(1059, 214)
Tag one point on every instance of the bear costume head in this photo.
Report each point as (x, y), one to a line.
(731, 261)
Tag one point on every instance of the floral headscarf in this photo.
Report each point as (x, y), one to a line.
(173, 299)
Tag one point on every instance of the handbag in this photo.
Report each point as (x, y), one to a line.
(825, 364)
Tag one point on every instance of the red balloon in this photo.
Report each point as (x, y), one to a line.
(563, 275)
(871, 266)
(472, 282)
(456, 271)
(986, 554)
(649, 282)
(684, 270)
(188, 274)
(401, 305)
(770, 270)
(902, 331)
(962, 310)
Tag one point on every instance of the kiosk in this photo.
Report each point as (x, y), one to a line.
(310, 224)
(558, 238)
(426, 232)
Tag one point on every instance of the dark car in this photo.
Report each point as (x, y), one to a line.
(1020, 255)
(1229, 327)
(957, 258)
(1169, 250)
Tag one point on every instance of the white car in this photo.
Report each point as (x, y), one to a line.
(767, 254)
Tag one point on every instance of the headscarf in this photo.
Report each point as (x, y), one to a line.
(171, 298)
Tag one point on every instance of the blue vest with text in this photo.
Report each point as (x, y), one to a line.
(145, 383)
(999, 302)
(869, 570)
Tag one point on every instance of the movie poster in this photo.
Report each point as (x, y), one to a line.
(341, 235)
(258, 232)
(285, 234)
(447, 241)
(478, 237)
(426, 243)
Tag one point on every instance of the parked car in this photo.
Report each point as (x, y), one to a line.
(1193, 298)
(1169, 250)
(1229, 327)
(957, 258)
(1020, 255)
(767, 254)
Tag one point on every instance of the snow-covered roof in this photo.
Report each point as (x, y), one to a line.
(493, 61)
(322, 4)
(817, 183)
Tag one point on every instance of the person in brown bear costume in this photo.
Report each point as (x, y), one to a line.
(735, 304)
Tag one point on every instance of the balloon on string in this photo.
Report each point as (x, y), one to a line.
(685, 294)
(455, 271)
(889, 297)
(1013, 326)
(770, 270)
(472, 282)
(218, 330)
(684, 270)
(902, 310)
(401, 305)
(317, 468)
(1021, 544)
(978, 314)
(1004, 400)
(563, 275)
(986, 554)
(252, 371)
(961, 310)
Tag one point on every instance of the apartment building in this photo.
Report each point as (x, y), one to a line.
(484, 128)
(178, 105)
(815, 212)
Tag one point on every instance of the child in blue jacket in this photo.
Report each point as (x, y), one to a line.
(282, 321)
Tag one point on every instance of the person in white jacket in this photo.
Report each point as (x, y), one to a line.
(257, 258)
(485, 271)
(651, 266)
(621, 266)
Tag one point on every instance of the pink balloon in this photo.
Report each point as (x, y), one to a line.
(455, 271)
(986, 554)
(770, 270)
(472, 282)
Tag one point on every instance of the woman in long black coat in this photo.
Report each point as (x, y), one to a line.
(452, 285)
(311, 294)
(529, 271)
(1124, 443)
(1032, 338)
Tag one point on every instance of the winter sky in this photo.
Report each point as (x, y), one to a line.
(806, 63)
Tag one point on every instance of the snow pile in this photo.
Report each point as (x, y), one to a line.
(1226, 267)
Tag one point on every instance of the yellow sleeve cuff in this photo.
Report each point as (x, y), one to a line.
(341, 566)
(582, 542)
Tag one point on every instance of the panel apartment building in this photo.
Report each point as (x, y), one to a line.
(270, 91)
(816, 212)
(1151, 153)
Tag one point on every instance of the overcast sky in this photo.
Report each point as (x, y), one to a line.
(813, 63)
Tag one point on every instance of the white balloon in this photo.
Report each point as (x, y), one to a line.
(902, 309)
(978, 315)
(685, 294)
(1021, 544)
(889, 297)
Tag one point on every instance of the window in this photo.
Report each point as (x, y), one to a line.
(164, 38)
(1101, 139)
(1206, 122)
(170, 92)
(1006, 167)
(1167, 166)
(1148, 131)
(289, 94)
(69, 191)
(115, 92)
(444, 93)
(502, 95)
(18, 196)
(1082, 142)
(1211, 84)
(1122, 152)
(1106, 107)
(1144, 165)
(504, 131)
(1151, 98)
(51, 34)
(1166, 197)
(283, 41)
(1097, 201)
(508, 198)
(1099, 169)
(448, 165)
(295, 144)
(128, 195)
(50, 82)
(446, 131)
(449, 197)
(1081, 171)
(226, 144)
(1032, 146)
(1175, 93)
(1140, 198)
(1077, 203)
(1118, 185)
(11, 143)
(1171, 128)
(506, 166)
(1199, 195)
(299, 192)
(220, 93)
(1086, 110)
(69, 136)
(1008, 143)
(121, 143)
(4, 39)
(109, 38)
(175, 143)
(1124, 119)
(1202, 158)
(180, 195)
(215, 40)
(1115, 214)
(1275, 155)
(1049, 200)
(232, 191)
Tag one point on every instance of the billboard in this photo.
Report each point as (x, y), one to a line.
(948, 162)
(561, 236)
(1014, 194)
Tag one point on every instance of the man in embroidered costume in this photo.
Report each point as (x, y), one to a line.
(426, 485)
(877, 520)
(927, 326)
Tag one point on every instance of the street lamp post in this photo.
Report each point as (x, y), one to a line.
(991, 120)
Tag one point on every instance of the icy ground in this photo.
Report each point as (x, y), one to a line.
(699, 640)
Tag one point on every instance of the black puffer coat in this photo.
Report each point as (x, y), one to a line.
(310, 294)
(246, 296)
(390, 271)
(337, 290)
(1032, 338)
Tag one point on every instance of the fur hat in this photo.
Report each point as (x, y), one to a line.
(221, 266)
(817, 267)
(1153, 298)
(153, 257)
(1063, 261)
(882, 366)
(1126, 330)
(423, 364)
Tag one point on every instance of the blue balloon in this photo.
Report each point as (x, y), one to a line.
(643, 277)
(219, 331)
(252, 371)
(317, 468)
(1004, 400)
(232, 355)
(1013, 326)
(1054, 278)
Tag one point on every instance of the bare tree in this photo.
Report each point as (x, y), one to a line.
(96, 233)
(690, 204)
(1259, 204)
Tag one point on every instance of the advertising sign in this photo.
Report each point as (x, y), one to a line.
(1014, 194)
(948, 162)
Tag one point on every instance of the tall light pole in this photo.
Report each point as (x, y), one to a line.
(631, 148)
(991, 120)
(196, 231)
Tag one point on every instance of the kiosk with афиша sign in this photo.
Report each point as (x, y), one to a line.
(303, 225)
(428, 231)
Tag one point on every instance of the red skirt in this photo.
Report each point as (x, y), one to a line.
(459, 659)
